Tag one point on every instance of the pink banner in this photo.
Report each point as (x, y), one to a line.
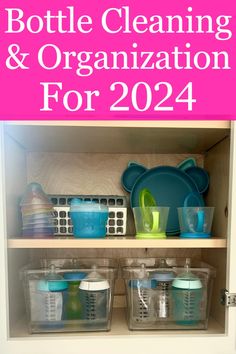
(117, 59)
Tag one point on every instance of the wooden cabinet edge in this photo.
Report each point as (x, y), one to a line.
(117, 243)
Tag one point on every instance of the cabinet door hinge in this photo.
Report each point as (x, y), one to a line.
(227, 299)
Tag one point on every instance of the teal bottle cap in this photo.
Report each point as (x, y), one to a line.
(187, 283)
(52, 285)
(75, 275)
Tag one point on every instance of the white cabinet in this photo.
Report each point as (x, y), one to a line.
(88, 158)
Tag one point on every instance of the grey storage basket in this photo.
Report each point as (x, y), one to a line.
(117, 219)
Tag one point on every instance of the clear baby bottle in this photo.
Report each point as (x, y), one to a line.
(187, 297)
(143, 297)
(95, 297)
(164, 278)
(51, 289)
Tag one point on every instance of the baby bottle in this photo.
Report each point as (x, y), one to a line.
(72, 306)
(94, 293)
(51, 289)
(164, 278)
(37, 213)
(187, 297)
(143, 296)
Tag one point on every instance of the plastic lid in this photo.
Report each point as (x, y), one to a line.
(187, 280)
(34, 194)
(94, 285)
(75, 275)
(87, 206)
(52, 285)
(163, 276)
(187, 283)
(94, 282)
(52, 282)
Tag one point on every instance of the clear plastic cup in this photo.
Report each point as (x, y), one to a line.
(195, 222)
(150, 222)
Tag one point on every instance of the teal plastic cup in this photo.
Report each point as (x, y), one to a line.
(195, 222)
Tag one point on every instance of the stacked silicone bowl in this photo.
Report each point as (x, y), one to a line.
(37, 213)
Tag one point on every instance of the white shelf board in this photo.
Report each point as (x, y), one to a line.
(117, 242)
(118, 328)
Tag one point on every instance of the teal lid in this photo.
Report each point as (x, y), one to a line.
(52, 281)
(75, 275)
(87, 206)
(52, 285)
(187, 283)
(75, 201)
(187, 280)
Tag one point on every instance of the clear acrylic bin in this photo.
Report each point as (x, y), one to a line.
(167, 293)
(69, 295)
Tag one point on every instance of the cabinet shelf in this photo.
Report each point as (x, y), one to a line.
(117, 242)
(119, 327)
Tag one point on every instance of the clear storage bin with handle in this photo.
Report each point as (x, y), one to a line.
(60, 294)
(171, 305)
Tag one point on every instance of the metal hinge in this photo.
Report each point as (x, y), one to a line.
(227, 299)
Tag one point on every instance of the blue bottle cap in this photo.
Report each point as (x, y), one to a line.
(52, 281)
(52, 285)
(75, 275)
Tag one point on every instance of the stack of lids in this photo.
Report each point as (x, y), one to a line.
(37, 213)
